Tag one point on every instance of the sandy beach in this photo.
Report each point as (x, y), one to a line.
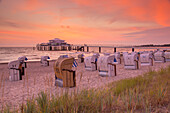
(39, 78)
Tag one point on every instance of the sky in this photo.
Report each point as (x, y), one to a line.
(116, 22)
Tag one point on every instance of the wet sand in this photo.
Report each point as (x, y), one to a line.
(39, 78)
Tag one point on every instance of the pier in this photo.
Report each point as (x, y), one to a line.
(86, 48)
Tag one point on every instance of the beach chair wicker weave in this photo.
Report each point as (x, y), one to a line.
(167, 56)
(23, 62)
(146, 59)
(44, 60)
(159, 56)
(107, 66)
(130, 60)
(15, 68)
(65, 76)
(80, 58)
(117, 56)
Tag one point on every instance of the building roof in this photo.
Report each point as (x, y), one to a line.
(57, 39)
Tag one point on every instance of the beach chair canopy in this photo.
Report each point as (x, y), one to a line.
(104, 61)
(63, 64)
(22, 59)
(14, 64)
(64, 75)
(130, 58)
(145, 57)
(106, 65)
(45, 58)
(96, 55)
(159, 56)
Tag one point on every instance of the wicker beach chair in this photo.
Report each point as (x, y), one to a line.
(167, 56)
(117, 56)
(159, 56)
(130, 60)
(65, 76)
(44, 60)
(146, 59)
(23, 60)
(106, 65)
(80, 58)
(15, 68)
(91, 62)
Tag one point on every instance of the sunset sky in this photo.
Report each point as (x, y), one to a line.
(126, 22)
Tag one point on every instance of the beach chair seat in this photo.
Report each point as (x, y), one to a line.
(15, 68)
(130, 60)
(23, 60)
(146, 59)
(167, 56)
(80, 58)
(64, 75)
(91, 62)
(106, 66)
(159, 56)
(118, 58)
(44, 60)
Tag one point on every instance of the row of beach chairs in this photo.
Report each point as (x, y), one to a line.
(65, 76)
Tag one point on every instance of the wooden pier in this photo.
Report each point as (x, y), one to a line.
(86, 48)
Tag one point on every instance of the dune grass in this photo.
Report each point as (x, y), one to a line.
(146, 93)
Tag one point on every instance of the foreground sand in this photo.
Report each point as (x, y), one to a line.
(39, 78)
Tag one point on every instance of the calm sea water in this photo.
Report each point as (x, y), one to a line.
(8, 54)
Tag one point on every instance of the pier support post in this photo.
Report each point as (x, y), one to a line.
(99, 49)
(115, 49)
(87, 49)
(133, 49)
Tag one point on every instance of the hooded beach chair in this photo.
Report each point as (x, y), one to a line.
(80, 58)
(23, 60)
(91, 62)
(106, 65)
(44, 60)
(159, 56)
(64, 75)
(167, 56)
(15, 68)
(130, 60)
(118, 58)
(146, 59)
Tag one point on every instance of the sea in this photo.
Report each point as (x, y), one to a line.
(8, 54)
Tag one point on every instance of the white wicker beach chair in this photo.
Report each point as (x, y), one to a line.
(146, 59)
(15, 68)
(64, 75)
(80, 58)
(23, 60)
(91, 62)
(130, 60)
(117, 56)
(44, 60)
(106, 65)
(167, 56)
(159, 56)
